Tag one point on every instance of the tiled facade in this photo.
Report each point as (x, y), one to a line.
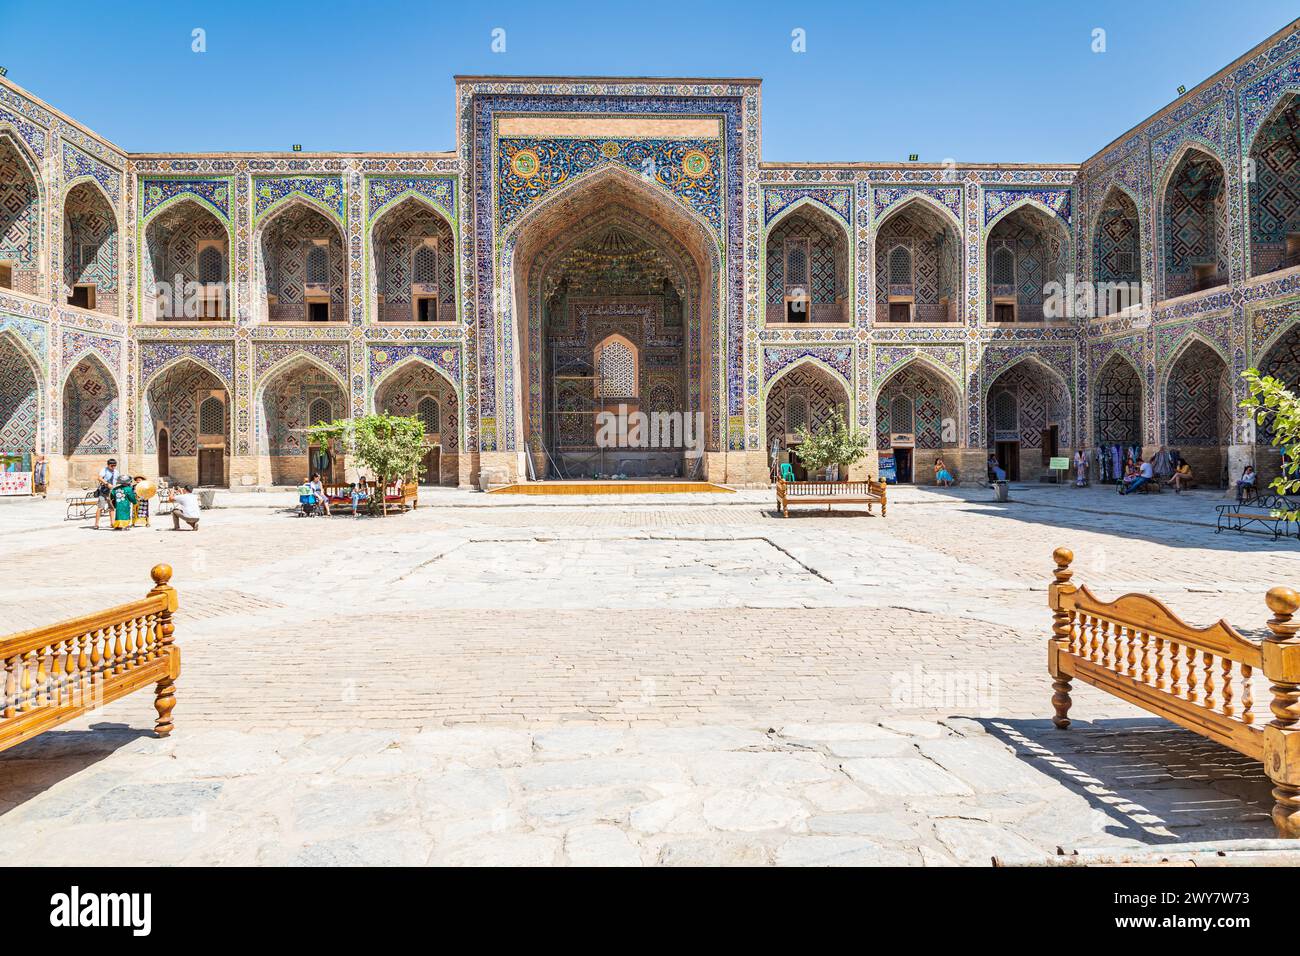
(1199, 204)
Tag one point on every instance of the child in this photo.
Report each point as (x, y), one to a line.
(123, 499)
(360, 493)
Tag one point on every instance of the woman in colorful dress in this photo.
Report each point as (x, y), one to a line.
(942, 476)
(123, 498)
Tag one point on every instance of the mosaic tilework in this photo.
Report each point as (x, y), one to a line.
(269, 355)
(383, 191)
(837, 200)
(90, 409)
(20, 399)
(383, 359)
(171, 402)
(325, 191)
(915, 400)
(885, 198)
(528, 169)
(77, 165)
(213, 193)
(997, 201)
(805, 395)
(219, 357)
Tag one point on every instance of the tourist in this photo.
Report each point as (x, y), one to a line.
(306, 500)
(360, 493)
(185, 506)
(1246, 485)
(1142, 474)
(123, 499)
(996, 472)
(1080, 468)
(109, 476)
(942, 476)
(318, 492)
(1182, 477)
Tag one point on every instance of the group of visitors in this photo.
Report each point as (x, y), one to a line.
(1137, 473)
(314, 499)
(119, 495)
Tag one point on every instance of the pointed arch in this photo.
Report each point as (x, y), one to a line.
(805, 256)
(1040, 245)
(1115, 244)
(927, 364)
(1021, 203)
(1193, 222)
(391, 282)
(181, 360)
(923, 199)
(815, 362)
(411, 360)
(1119, 390)
(931, 289)
(1192, 337)
(814, 201)
(281, 246)
(171, 239)
(72, 184)
(278, 368)
(23, 208)
(932, 394)
(90, 397)
(22, 396)
(1273, 191)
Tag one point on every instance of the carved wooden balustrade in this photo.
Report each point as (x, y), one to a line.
(54, 674)
(1202, 678)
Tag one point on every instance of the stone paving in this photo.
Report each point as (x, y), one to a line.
(672, 680)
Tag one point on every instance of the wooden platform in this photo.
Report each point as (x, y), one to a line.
(650, 486)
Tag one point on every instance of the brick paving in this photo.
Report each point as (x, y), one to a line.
(680, 680)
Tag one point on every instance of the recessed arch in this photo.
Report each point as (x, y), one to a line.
(407, 389)
(286, 394)
(173, 403)
(286, 243)
(21, 398)
(931, 290)
(1037, 240)
(21, 216)
(634, 219)
(1028, 416)
(409, 225)
(1194, 234)
(90, 415)
(804, 394)
(176, 238)
(1117, 260)
(90, 247)
(921, 400)
(1119, 387)
(806, 265)
(1197, 405)
(1273, 191)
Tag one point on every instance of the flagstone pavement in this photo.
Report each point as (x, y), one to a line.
(676, 680)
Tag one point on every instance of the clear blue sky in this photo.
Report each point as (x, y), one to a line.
(976, 82)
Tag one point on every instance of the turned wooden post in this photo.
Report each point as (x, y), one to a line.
(165, 691)
(1282, 735)
(1059, 595)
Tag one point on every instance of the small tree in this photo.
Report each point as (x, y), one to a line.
(833, 442)
(392, 446)
(1272, 403)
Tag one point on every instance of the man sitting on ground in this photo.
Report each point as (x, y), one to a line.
(185, 506)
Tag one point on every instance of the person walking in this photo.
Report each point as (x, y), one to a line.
(109, 477)
(185, 507)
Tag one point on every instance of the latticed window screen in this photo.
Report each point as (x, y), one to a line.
(901, 417)
(428, 412)
(1004, 266)
(424, 265)
(900, 266)
(318, 265)
(796, 264)
(617, 371)
(1119, 404)
(212, 416)
(319, 411)
(211, 264)
(796, 412)
(1006, 416)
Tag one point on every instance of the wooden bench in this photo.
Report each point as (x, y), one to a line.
(403, 494)
(1266, 511)
(828, 493)
(1204, 679)
(54, 674)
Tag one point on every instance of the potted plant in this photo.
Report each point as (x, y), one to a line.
(832, 443)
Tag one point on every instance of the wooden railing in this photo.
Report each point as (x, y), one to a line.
(54, 674)
(828, 493)
(1202, 678)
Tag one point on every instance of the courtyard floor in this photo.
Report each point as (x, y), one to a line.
(668, 679)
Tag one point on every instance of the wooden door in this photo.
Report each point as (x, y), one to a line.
(164, 456)
(212, 470)
(432, 463)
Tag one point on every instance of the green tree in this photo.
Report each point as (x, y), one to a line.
(391, 446)
(1272, 403)
(833, 442)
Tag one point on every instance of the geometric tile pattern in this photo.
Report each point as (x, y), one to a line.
(90, 410)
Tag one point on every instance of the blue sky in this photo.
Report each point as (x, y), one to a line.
(1002, 81)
